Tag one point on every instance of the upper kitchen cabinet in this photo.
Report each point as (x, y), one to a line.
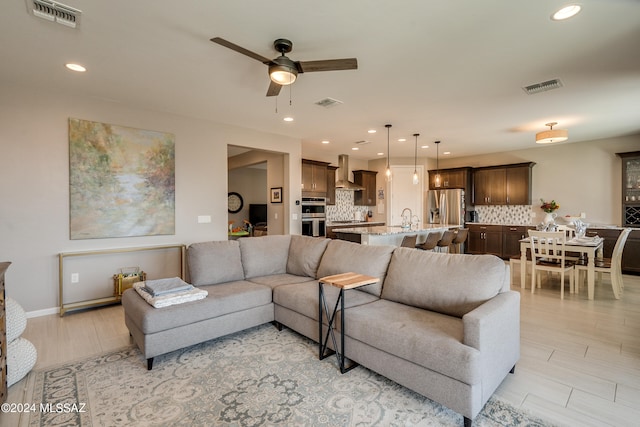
(451, 178)
(331, 185)
(367, 179)
(314, 178)
(503, 185)
(630, 189)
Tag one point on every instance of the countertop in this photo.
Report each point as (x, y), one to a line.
(589, 225)
(345, 224)
(389, 230)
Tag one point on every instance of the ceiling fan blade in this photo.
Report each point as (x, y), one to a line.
(327, 65)
(239, 49)
(274, 89)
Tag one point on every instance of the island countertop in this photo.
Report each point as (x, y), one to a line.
(390, 230)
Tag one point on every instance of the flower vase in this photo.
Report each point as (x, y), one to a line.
(549, 218)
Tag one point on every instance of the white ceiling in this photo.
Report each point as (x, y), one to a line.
(451, 70)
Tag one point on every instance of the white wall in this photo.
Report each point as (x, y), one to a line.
(34, 195)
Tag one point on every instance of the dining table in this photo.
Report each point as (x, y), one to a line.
(591, 247)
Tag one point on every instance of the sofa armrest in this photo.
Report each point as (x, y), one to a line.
(494, 330)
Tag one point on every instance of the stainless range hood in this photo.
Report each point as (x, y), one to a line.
(343, 182)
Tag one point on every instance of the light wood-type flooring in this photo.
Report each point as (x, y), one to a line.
(580, 359)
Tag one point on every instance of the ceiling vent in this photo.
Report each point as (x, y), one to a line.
(363, 142)
(55, 12)
(543, 87)
(328, 102)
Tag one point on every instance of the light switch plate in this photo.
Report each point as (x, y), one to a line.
(204, 219)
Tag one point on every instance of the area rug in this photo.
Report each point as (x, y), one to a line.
(258, 377)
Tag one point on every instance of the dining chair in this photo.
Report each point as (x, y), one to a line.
(409, 241)
(459, 239)
(446, 240)
(517, 259)
(570, 233)
(430, 243)
(612, 265)
(548, 254)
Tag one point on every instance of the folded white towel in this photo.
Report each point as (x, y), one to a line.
(173, 298)
(166, 286)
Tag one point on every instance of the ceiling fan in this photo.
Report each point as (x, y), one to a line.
(282, 70)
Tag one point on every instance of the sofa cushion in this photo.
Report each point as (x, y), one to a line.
(303, 298)
(265, 255)
(342, 257)
(305, 253)
(214, 262)
(428, 339)
(452, 284)
(222, 299)
(275, 280)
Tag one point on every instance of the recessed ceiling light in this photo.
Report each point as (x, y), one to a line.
(75, 67)
(566, 12)
(288, 119)
(355, 148)
(372, 131)
(446, 153)
(402, 139)
(380, 154)
(424, 146)
(325, 142)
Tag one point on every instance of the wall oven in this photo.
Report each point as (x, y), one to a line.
(314, 216)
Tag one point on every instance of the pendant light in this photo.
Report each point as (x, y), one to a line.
(416, 179)
(550, 136)
(388, 172)
(437, 178)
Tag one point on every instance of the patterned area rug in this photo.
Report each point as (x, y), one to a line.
(258, 377)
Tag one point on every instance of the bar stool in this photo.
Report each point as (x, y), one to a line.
(409, 241)
(459, 239)
(430, 243)
(446, 240)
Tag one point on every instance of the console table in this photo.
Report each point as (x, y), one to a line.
(343, 281)
(64, 307)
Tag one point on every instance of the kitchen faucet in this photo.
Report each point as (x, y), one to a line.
(406, 223)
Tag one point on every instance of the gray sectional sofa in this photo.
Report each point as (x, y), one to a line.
(444, 325)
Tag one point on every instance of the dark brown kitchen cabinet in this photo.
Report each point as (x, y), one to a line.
(367, 179)
(489, 186)
(511, 236)
(485, 239)
(451, 178)
(331, 185)
(630, 189)
(503, 185)
(314, 178)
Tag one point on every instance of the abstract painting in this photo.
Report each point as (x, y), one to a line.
(121, 181)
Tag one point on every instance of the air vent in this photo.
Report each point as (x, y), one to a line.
(328, 102)
(55, 12)
(363, 142)
(543, 87)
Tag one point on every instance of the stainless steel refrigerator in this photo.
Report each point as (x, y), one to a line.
(446, 207)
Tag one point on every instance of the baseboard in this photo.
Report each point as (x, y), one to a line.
(43, 312)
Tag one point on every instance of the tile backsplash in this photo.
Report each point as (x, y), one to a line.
(344, 209)
(512, 215)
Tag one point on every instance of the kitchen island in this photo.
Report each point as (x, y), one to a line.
(389, 235)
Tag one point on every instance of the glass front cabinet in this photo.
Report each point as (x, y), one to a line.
(630, 189)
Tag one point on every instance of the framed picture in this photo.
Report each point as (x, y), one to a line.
(276, 195)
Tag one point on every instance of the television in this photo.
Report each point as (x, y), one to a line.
(257, 213)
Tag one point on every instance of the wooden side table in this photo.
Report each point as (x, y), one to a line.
(343, 281)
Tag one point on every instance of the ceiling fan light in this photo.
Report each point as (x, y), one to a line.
(283, 71)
